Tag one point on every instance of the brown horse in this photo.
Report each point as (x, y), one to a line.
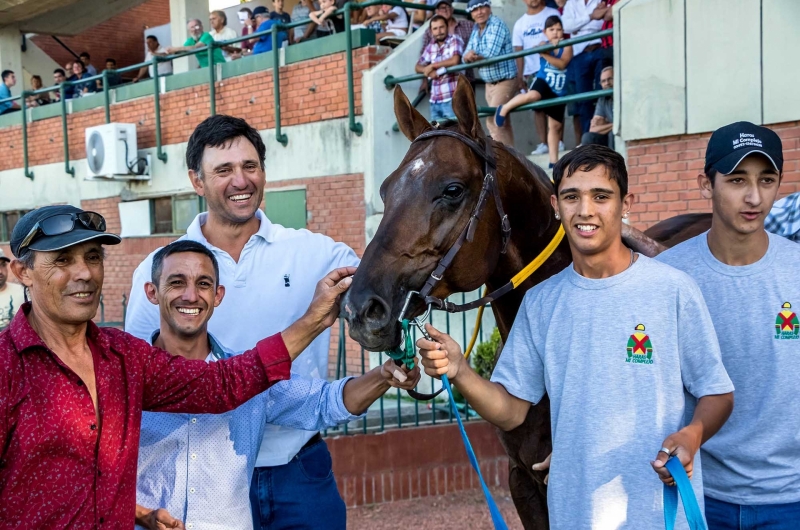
(428, 201)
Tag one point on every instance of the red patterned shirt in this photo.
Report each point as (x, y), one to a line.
(443, 87)
(58, 467)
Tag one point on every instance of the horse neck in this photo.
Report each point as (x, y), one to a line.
(526, 199)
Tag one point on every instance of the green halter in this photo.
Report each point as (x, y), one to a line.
(405, 351)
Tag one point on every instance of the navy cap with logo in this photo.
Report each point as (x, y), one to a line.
(58, 227)
(729, 145)
(260, 10)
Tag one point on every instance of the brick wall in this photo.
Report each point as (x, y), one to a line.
(249, 96)
(663, 173)
(120, 37)
(372, 469)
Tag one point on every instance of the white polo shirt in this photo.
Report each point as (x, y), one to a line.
(266, 291)
(577, 21)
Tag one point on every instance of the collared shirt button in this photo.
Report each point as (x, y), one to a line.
(93, 427)
(194, 456)
(194, 420)
(191, 490)
(189, 525)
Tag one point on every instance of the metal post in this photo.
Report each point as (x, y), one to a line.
(64, 131)
(351, 98)
(106, 101)
(276, 84)
(24, 110)
(212, 89)
(157, 108)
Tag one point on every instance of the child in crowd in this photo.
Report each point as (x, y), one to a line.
(373, 20)
(549, 83)
(322, 18)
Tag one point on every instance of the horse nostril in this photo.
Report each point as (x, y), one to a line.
(377, 311)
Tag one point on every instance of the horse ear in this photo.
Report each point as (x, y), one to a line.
(410, 121)
(466, 110)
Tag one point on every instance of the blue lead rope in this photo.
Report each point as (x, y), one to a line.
(683, 488)
(497, 517)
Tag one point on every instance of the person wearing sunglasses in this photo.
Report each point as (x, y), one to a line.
(72, 394)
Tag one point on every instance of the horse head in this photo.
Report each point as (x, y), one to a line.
(428, 200)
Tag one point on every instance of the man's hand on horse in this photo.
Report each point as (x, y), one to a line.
(324, 307)
(400, 376)
(441, 355)
(543, 466)
(681, 445)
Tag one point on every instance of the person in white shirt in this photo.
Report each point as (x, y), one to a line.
(584, 17)
(260, 263)
(529, 33)
(220, 32)
(154, 49)
(12, 295)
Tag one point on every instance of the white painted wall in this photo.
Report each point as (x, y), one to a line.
(691, 66)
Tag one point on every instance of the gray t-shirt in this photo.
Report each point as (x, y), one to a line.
(755, 457)
(605, 108)
(615, 356)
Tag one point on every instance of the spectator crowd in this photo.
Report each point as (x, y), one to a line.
(568, 70)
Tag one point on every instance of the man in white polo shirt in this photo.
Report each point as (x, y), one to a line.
(270, 273)
(751, 468)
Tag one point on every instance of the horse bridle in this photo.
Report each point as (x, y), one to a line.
(467, 233)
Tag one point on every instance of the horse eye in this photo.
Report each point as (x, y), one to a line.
(453, 191)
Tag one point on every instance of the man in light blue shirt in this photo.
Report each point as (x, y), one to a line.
(9, 80)
(197, 467)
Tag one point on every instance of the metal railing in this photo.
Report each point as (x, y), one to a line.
(391, 81)
(273, 32)
(397, 410)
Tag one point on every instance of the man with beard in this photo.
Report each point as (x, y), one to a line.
(269, 274)
(445, 50)
(72, 394)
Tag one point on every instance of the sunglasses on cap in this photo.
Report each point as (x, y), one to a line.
(64, 223)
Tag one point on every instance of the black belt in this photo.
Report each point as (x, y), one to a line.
(314, 439)
(502, 80)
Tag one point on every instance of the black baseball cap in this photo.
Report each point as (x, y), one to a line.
(260, 10)
(80, 232)
(440, 2)
(729, 145)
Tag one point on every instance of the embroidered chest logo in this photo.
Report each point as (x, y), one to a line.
(286, 280)
(786, 325)
(640, 349)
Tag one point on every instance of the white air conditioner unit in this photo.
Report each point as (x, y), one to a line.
(111, 152)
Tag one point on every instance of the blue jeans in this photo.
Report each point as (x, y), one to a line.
(299, 495)
(726, 516)
(585, 70)
(442, 111)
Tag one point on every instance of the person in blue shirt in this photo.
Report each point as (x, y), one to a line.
(196, 468)
(81, 89)
(264, 44)
(549, 83)
(9, 80)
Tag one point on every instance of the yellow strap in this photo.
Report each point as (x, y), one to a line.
(520, 277)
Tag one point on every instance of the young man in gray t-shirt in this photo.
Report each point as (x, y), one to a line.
(616, 340)
(749, 280)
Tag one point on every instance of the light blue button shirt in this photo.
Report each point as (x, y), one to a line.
(198, 466)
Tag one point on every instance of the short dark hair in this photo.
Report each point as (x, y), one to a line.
(6, 73)
(60, 71)
(438, 17)
(552, 20)
(84, 54)
(177, 247)
(152, 37)
(112, 61)
(711, 174)
(79, 64)
(216, 131)
(247, 10)
(588, 157)
(36, 77)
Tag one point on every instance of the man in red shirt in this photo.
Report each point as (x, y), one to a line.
(72, 394)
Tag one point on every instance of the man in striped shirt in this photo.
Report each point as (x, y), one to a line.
(491, 38)
(445, 50)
